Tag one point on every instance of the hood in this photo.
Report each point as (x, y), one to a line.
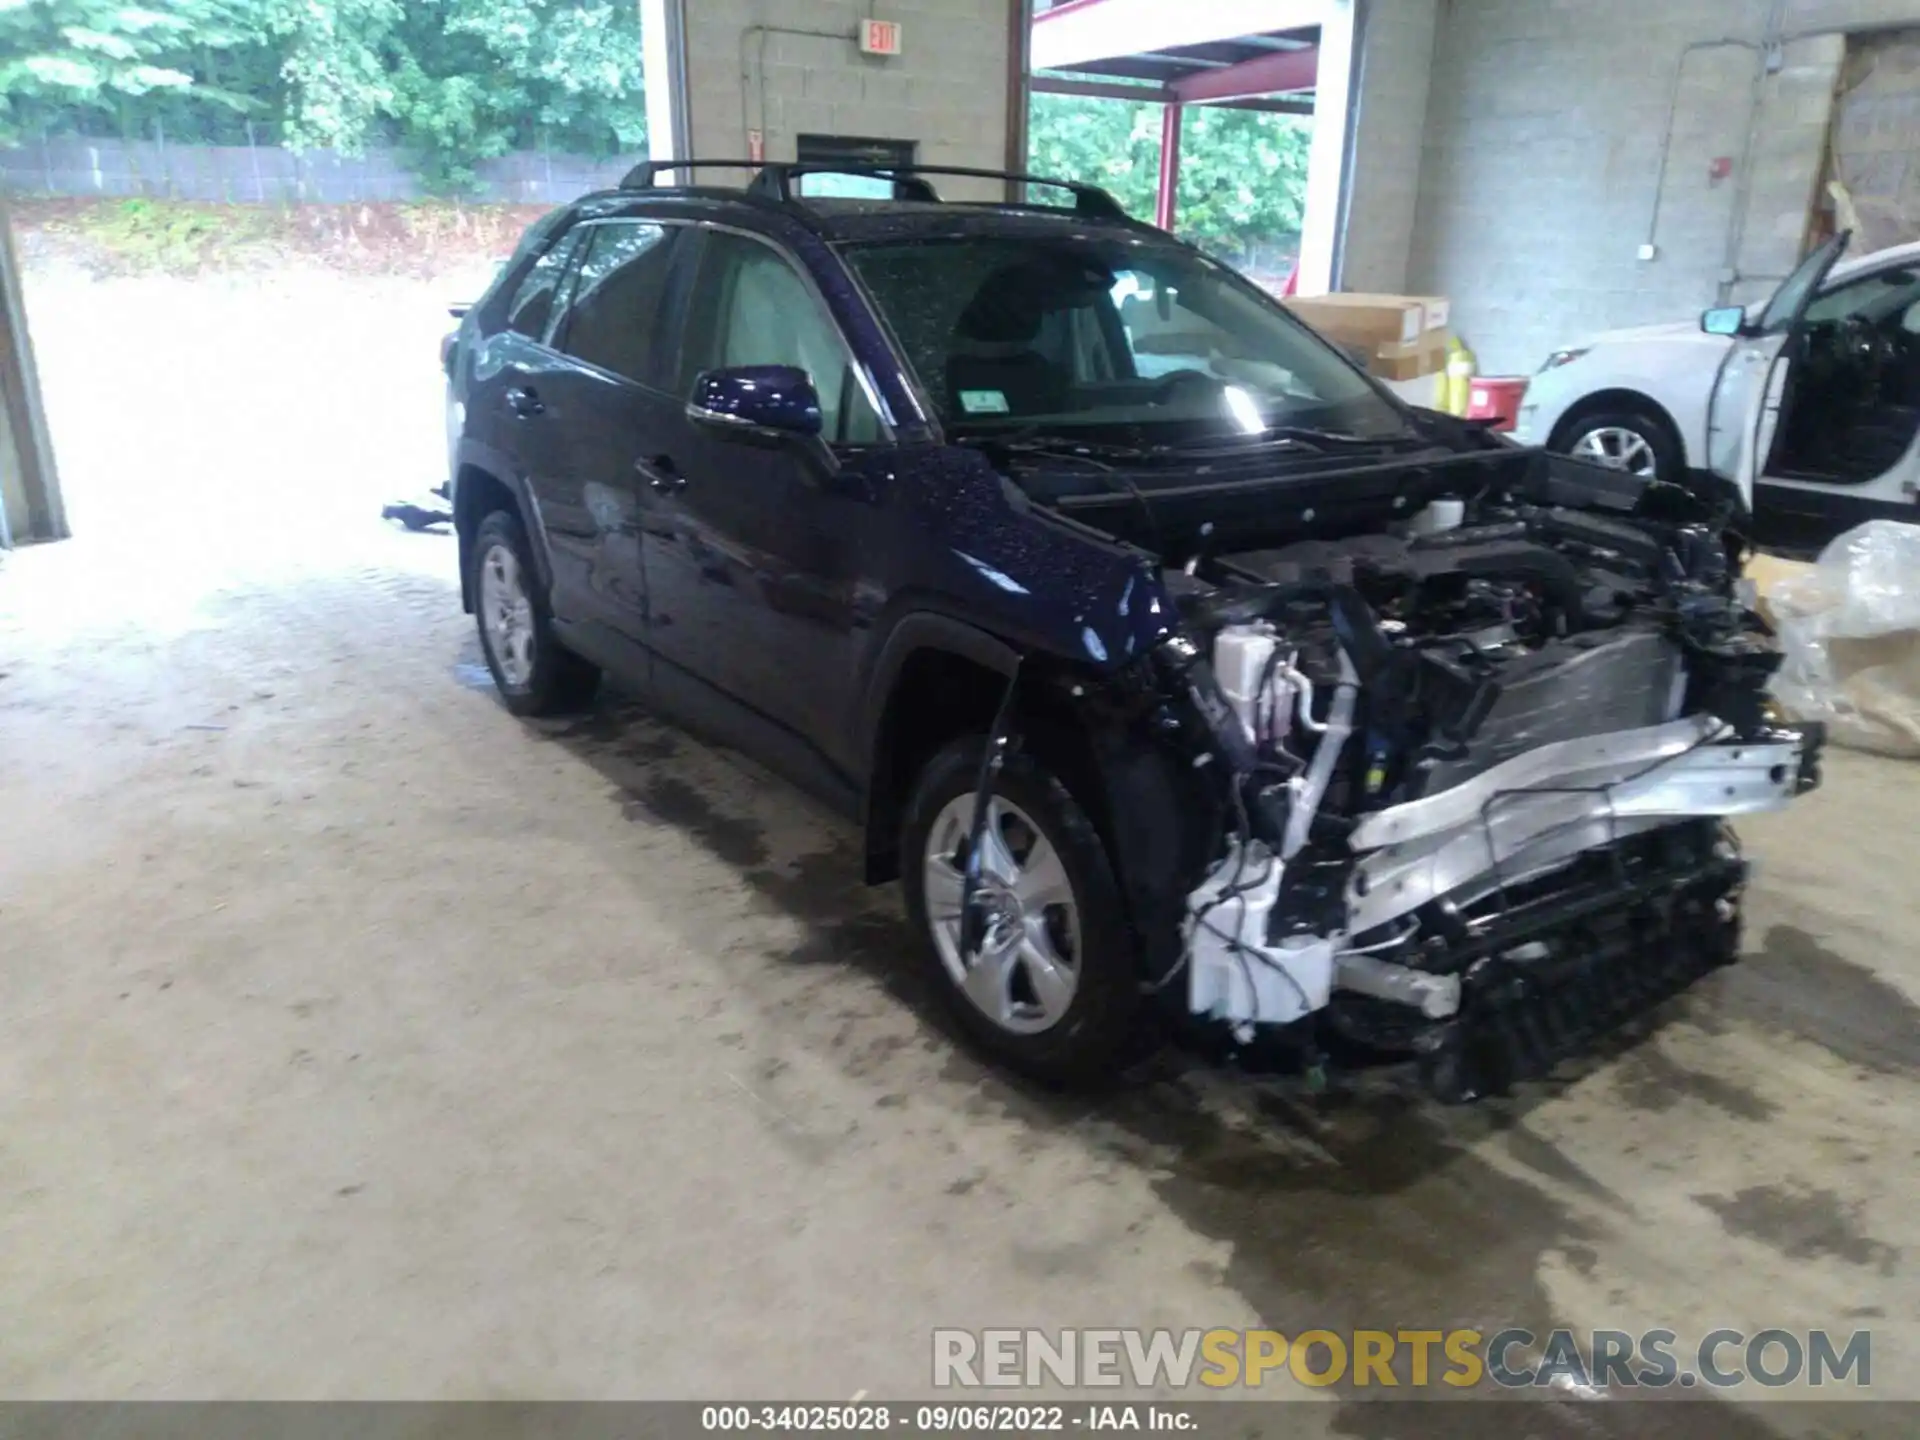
(1673, 332)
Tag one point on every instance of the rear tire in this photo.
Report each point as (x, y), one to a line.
(534, 672)
(1079, 1032)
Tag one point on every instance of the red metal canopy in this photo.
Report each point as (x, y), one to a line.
(1273, 70)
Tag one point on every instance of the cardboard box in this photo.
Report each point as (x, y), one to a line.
(1397, 337)
(1363, 320)
(1426, 356)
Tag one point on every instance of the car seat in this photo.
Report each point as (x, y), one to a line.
(993, 348)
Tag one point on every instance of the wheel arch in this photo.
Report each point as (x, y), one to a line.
(941, 678)
(1616, 398)
(935, 678)
(479, 489)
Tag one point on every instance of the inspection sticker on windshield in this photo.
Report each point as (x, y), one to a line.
(983, 402)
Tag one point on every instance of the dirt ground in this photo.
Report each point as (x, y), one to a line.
(358, 1040)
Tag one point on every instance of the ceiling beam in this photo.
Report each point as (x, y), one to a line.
(1160, 95)
(1082, 30)
(1271, 74)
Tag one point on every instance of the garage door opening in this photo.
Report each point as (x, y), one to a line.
(1199, 118)
(239, 240)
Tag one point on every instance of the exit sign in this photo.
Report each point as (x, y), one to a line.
(880, 37)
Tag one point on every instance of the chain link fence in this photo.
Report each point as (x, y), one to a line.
(262, 173)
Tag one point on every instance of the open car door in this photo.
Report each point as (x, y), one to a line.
(1755, 383)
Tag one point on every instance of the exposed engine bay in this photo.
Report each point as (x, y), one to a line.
(1474, 772)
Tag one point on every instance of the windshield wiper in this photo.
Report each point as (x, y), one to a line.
(1295, 437)
(1031, 440)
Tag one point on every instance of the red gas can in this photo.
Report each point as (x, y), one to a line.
(1496, 398)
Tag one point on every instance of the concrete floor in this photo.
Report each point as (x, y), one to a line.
(357, 1040)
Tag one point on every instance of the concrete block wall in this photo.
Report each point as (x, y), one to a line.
(793, 67)
(1541, 172)
(1389, 122)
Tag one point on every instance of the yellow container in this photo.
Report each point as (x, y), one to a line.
(1461, 369)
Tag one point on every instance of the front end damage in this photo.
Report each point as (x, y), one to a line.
(1467, 778)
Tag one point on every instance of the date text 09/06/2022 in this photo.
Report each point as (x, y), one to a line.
(943, 1419)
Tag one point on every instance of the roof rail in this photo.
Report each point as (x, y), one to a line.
(776, 181)
(641, 176)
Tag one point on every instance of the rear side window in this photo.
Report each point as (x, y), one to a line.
(614, 317)
(532, 306)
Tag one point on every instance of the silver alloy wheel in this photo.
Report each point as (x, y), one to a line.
(1029, 964)
(1618, 449)
(506, 614)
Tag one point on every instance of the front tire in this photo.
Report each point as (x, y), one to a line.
(1055, 992)
(534, 672)
(1627, 439)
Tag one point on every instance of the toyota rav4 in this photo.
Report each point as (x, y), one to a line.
(1177, 669)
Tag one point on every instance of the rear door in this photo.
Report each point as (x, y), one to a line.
(1755, 380)
(618, 412)
(516, 375)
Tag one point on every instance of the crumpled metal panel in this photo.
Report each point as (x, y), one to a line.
(1545, 808)
(1589, 760)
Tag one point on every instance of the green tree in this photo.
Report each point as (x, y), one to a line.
(335, 69)
(65, 59)
(1243, 173)
(457, 81)
(451, 82)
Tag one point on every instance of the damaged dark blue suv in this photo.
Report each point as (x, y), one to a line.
(1178, 670)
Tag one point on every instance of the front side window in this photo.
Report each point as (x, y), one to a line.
(1077, 332)
(613, 316)
(751, 307)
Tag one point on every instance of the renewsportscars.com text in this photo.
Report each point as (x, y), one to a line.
(1413, 1359)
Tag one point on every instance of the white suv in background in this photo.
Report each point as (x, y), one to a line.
(1846, 339)
(1633, 399)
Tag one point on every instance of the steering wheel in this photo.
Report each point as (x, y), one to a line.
(1169, 384)
(1863, 343)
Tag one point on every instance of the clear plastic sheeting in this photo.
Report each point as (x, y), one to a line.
(1850, 626)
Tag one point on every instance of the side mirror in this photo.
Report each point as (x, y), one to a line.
(757, 401)
(1728, 320)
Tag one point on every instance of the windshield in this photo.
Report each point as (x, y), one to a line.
(1082, 334)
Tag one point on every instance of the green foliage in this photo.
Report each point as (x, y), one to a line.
(448, 81)
(162, 235)
(106, 62)
(1243, 173)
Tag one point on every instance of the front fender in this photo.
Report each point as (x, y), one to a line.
(988, 554)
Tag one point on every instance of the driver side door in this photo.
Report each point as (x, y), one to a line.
(753, 556)
(1843, 452)
(1753, 386)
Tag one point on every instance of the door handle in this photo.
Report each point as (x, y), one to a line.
(524, 401)
(662, 474)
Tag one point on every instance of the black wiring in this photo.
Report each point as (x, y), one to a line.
(1604, 791)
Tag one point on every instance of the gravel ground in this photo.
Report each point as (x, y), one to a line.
(357, 1040)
